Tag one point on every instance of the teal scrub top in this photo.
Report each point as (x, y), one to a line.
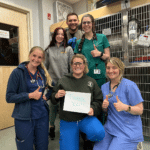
(123, 124)
(94, 62)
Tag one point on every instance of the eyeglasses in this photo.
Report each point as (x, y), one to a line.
(77, 63)
(86, 22)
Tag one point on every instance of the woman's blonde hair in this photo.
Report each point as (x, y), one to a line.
(86, 70)
(118, 63)
(48, 77)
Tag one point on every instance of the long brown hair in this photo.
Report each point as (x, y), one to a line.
(48, 77)
(53, 41)
(93, 30)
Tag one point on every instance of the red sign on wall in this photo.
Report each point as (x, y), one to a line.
(48, 16)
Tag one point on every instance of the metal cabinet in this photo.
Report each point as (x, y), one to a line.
(135, 57)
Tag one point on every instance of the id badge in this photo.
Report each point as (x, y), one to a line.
(97, 71)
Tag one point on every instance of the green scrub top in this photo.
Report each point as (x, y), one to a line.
(94, 62)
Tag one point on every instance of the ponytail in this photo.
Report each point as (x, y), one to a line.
(83, 38)
(81, 43)
(48, 77)
(94, 35)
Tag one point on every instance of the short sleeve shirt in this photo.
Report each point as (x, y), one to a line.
(94, 62)
(123, 124)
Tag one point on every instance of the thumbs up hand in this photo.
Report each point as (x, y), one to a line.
(105, 103)
(36, 94)
(95, 52)
(119, 105)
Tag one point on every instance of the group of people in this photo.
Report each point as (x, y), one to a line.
(76, 61)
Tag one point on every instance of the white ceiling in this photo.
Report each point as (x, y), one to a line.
(72, 1)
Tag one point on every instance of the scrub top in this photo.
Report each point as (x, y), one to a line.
(123, 124)
(38, 108)
(94, 62)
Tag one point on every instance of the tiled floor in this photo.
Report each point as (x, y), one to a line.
(7, 140)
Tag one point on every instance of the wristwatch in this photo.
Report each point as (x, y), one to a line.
(101, 54)
(129, 109)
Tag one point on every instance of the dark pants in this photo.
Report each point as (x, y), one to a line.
(32, 132)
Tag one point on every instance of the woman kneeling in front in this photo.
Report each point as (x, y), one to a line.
(78, 120)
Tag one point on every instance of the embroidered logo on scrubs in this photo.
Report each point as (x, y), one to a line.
(90, 83)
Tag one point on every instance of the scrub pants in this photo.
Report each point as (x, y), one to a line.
(111, 142)
(32, 132)
(69, 132)
(53, 113)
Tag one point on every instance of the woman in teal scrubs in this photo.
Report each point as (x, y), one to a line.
(95, 47)
(123, 102)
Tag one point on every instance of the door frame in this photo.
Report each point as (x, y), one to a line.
(26, 11)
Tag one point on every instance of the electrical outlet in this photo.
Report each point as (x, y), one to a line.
(125, 4)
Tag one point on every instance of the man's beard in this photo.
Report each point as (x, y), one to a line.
(73, 30)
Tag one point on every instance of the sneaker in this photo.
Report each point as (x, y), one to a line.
(140, 146)
(52, 133)
(88, 145)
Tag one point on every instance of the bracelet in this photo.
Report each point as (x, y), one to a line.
(101, 54)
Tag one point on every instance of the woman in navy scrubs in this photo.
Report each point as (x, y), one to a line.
(124, 103)
(25, 88)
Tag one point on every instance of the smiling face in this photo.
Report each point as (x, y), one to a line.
(59, 36)
(72, 22)
(36, 57)
(78, 67)
(87, 25)
(112, 72)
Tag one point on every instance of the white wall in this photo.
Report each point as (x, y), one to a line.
(47, 7)
(41, 25)
(33, 5)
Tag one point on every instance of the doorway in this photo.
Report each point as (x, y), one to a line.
(14, 48)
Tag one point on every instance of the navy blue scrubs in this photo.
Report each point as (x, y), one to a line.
(34, 131)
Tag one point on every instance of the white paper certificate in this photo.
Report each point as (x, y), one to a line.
(77, 102)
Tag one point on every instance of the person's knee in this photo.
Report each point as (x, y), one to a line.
(97, 135)
(100, 135)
